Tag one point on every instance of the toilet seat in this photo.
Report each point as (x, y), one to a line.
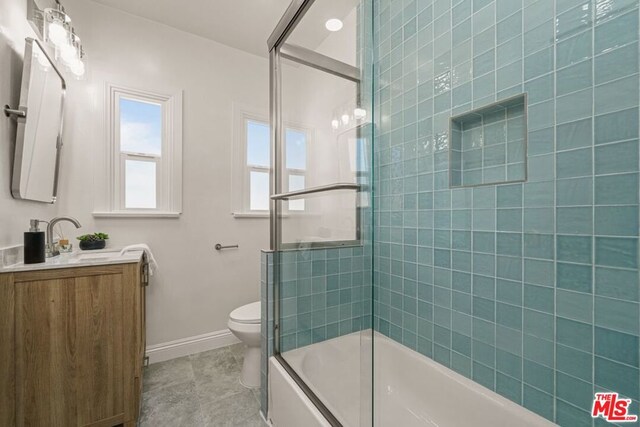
(247, 314)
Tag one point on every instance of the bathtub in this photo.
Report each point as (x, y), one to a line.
(409, 389)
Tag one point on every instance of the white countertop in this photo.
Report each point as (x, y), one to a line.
(78, 258)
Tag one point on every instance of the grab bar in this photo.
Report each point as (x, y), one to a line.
(321, 189)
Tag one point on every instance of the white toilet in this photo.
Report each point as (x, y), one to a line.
(244, 323)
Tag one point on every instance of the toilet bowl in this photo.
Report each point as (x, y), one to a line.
(244, 323)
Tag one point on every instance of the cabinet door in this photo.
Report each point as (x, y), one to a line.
(69, 355)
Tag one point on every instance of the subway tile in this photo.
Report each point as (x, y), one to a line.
(509, 220)
(616, 189)
(574, 305)
(574, 192)
(616, 64)
(617, 315)
(574, 78)
(616, 126)
(617, 346)
(509, 387)
(538, 63)
(509, 196)
(616, 283)
(537, 401)
(538, 376)
(616, 220)
(538, 245)
(574, 277)
(537, 324)
(509, 291)
(505, 8)
(539, 272)
(509, 27)
(541, 168)
(616, 95)
(509, 315)
(615, 158)
(574, 334)
(539, 37)
(509, 244)
(575, 49)
(617, 252)
(539, 194)
(579, 105)
(573, 21)
(541, 142)
(574, 249)
(574, 220)
(574, 135)
(574, 362)
(616, 32)
(539, 298)
(509, 51)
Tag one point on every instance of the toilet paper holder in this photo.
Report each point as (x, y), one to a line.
(219, 247)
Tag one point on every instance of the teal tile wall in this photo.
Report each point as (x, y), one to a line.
(488, 145)
(531, 289)
(324, 293)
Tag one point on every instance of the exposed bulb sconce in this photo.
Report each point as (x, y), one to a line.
(359, 113)
(53, 25)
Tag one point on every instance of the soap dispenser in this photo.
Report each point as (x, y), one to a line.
(34, 242)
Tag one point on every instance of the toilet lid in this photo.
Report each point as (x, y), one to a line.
(249, 313)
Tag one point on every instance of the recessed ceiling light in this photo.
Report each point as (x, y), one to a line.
(333, 24)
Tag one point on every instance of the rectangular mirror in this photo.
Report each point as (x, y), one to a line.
(39, 133)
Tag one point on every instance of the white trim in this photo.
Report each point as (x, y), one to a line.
(191, 345)
(133, 214)
(169, 165)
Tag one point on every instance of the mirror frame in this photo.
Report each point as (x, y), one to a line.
(22, 121)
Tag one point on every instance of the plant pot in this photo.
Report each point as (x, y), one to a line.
(90, 245)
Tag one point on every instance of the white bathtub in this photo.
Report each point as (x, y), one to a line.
(409, 389)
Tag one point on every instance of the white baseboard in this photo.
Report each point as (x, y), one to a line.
(191, 345)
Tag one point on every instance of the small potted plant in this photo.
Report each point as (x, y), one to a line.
(93, 241)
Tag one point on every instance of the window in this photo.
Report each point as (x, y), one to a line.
(253, 157)
(145, 145)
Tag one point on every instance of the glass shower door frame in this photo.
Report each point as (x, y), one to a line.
(279, 50)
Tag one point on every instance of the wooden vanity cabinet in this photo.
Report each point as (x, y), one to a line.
(72, 346)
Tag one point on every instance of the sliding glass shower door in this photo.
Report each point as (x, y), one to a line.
(321, 212)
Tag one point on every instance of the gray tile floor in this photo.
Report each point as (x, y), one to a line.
(200, 390)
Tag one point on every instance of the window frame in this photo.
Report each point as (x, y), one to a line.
(168, 164)
(241, 205)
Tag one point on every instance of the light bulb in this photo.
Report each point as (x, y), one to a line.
(360, 113)
(333, 24)
(335, 124)
(77, 68)
(69, 54)
(57, 34)
(345, 119)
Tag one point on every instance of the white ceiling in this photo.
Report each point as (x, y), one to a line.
(243, 24)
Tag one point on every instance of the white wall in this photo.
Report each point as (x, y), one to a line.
(196, 287)
(14, 214)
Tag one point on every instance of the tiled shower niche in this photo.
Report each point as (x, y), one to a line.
(489, 144)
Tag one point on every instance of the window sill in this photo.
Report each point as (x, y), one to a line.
(241, 215)
(136, 214)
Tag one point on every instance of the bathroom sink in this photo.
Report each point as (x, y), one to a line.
(79, 259)
(96, 255)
